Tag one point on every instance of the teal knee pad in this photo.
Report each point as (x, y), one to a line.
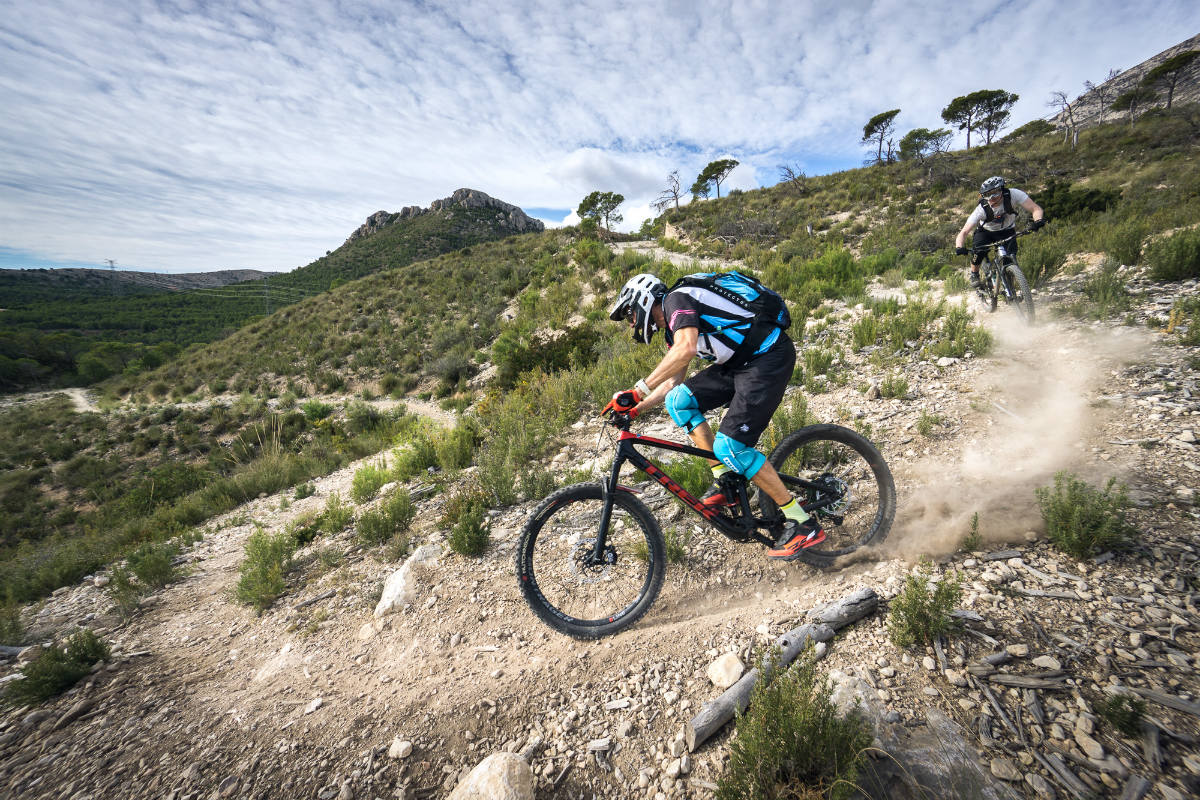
(683, 408)
(739, 457)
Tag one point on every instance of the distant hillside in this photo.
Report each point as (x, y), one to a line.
(23, 287)
(85, 336)
(1091, 108)
(388, 240)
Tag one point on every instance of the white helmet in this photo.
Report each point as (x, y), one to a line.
(991, 184)
(638, 296)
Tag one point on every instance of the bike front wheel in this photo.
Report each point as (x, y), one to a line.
(564, 582)
(1015, 279)
(842, 480)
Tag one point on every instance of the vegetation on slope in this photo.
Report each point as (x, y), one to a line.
(78, 491)
(72, 340)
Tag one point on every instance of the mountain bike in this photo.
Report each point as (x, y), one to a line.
(1001, 276)
(591, 559)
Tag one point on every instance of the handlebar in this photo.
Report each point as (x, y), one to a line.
(990, 245)
(618, 420)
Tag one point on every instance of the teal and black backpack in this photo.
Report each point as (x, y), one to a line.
(768, 308)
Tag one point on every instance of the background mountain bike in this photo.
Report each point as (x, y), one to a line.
(591, 559)
(1001, 276)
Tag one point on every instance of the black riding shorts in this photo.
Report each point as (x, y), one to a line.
(983, 236)
(752, 391)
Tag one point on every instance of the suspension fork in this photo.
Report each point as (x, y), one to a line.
(609, 488)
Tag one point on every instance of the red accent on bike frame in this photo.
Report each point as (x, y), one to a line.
(630, 489)
(677, 490)
(630, 435)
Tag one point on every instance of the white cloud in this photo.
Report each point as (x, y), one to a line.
(256, 133)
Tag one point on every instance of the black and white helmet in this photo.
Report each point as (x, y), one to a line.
(637, 298)
(991, 184)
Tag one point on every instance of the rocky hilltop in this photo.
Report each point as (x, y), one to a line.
(509, 215)
(1092, 107)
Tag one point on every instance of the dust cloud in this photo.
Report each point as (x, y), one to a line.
(1031, 414)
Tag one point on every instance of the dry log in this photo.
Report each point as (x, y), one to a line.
(1034, 706)
(1058, 769)
(824, 623)
(1135, 788)
(1000, 712)
(1024, 681)
(322, 596)
(1151, 747)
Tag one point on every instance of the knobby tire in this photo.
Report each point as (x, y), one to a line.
(584, 600)
(1020, 286)
(847, 461)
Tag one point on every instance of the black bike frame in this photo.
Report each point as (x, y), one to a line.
(996, 266)
(741, 528)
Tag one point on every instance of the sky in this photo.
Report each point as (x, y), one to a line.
(231, 134)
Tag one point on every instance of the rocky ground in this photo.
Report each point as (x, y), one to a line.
(319, 697)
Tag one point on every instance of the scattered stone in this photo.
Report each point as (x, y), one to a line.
(400, 748)
(314, 705)
(1047, 662)
(500, 776)
(1005, 769)
(726, 671)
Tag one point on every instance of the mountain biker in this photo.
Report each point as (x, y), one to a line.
(691, 319)
(994, 219)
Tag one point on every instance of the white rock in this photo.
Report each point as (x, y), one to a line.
(100, 581)
(367, 631)
(400, 748)
(1018, 650)
(500, 776)
(402, 586)
(1047, 662)
(726, 671)
(314, 705)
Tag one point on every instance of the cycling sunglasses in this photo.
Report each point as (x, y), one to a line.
(996, 193)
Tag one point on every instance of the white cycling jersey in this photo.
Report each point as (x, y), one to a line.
(1001, 221)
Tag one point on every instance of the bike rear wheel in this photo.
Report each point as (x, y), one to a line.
(570, 591)
(1020, 290)
(855, 496)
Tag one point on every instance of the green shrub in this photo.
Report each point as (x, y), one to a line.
(1123, 240)
(1081, 520)
(367, 480)
(1175, 257)
(1104, 294)
(264, 569)
(315, 410)
(454, 448)
(956, 283)
(973, 540)
(124, 591)
(1124, 713)
(791, 416)
(12, 630)
(153, 565)
(470, 535)
(865, 331)
(57, 669)
(305, 490)
(792, 743)
(894, 385)
(960, 335)
(390, 520)
(926, 422)
(336, 515)
(918, 615)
